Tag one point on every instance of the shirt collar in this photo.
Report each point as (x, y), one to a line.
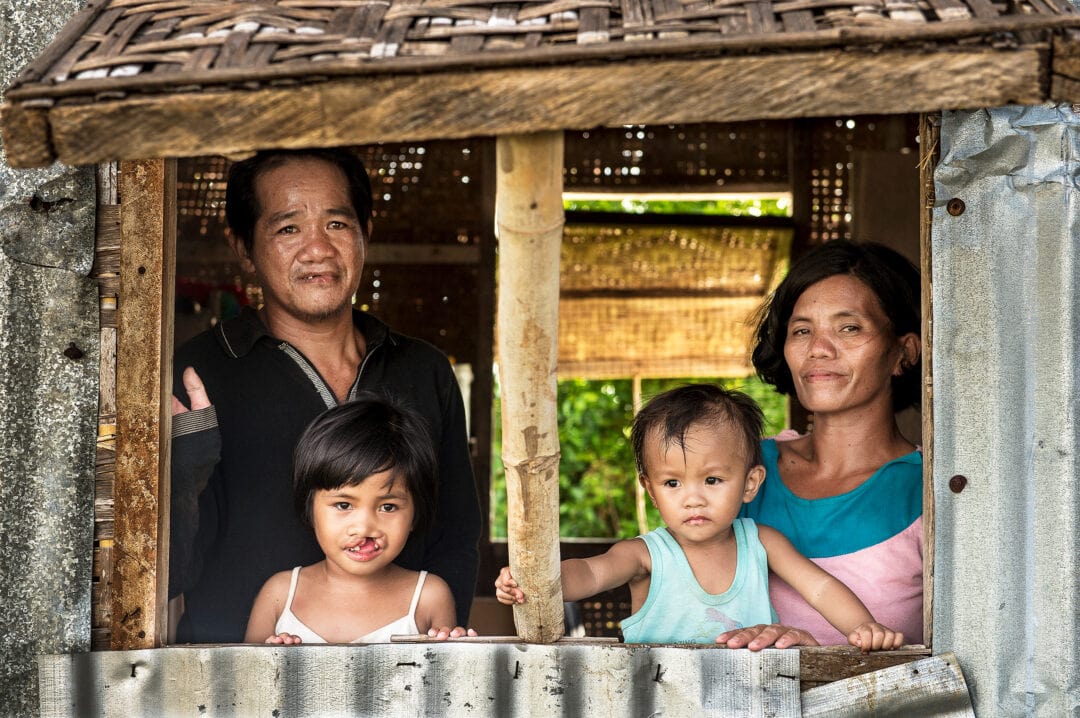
(239, 334)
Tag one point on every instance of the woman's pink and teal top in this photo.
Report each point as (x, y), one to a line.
(870, 538)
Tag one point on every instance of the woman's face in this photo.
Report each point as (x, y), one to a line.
(840, 348)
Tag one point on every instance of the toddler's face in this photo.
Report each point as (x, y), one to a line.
(700, 488)
(362, 528)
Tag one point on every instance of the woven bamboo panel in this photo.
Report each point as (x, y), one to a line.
(106, 270)
(655, 337)
(714, 157)
(115, 47)
(721, 261)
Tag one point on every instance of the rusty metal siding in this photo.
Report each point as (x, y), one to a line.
(1006, 388)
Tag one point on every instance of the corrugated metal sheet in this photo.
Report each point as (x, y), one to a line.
(444, 679)
(1006, 388)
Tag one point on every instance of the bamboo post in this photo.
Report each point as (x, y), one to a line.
(529, 221)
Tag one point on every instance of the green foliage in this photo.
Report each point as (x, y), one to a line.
(597, 476)
(760, 207)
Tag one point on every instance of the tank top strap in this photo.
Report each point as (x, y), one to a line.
(292, 588)
(416, 593)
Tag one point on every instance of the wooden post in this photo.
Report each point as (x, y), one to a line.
(143, 386)
(639, 490)
(529, 220)
(929, 151)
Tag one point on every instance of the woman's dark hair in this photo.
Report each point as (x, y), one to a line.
(671, 414)
(346, 444)
(889, 275)
(242, 203)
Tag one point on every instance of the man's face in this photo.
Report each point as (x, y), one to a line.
(307, 245)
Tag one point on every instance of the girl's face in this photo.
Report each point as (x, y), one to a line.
(361, 529)
(840, 348)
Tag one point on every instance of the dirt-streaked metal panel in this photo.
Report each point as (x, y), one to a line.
(1006, 289)
(445, 679)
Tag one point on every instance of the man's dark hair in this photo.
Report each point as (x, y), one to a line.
(242, 204)
(889, 275)
(347, 443)
(671, 414)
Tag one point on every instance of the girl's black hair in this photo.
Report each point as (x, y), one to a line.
(671, 414)
(346, 444)
(888, 274)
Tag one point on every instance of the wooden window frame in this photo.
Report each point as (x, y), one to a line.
(138, 595)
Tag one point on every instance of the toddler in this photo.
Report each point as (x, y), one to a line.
(706, 571)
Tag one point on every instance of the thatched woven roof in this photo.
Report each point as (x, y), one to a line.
(131, 78)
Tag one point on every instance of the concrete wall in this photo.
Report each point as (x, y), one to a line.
(48, 391)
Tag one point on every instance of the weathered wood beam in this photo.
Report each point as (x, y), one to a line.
(528, 210)
(825, 664)
(25, 132)
(393, 108)
(1065, 69)
(143, 382)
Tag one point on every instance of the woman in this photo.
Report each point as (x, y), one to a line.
(842, 332)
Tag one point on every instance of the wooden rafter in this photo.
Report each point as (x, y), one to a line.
(134, 78)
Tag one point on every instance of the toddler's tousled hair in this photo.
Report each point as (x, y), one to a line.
(671, 414)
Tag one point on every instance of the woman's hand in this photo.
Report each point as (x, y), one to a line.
(284, 639)
(443, 632)
(872, 636)
(764, 635)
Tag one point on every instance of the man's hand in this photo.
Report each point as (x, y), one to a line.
(196, 393)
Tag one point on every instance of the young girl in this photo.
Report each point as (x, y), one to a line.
(698, 456)
(364, 477)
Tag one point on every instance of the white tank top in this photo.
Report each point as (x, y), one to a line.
(406, 625)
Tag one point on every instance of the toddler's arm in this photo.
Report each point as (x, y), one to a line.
(584, 577)
(507, 590)
(827, 594)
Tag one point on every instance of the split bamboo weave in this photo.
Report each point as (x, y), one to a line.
(114, 48)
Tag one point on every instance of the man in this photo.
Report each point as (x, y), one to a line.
(300, 222)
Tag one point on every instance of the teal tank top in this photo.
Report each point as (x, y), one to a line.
(679, 610)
